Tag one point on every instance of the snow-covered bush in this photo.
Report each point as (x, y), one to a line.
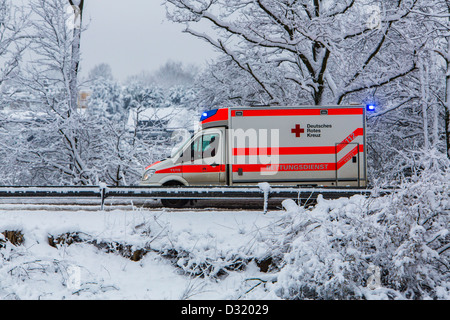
(327, 249)
(416, 222)
(396, 246)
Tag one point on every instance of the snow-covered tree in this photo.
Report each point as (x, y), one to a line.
(436, 15)
(13, 40)
(102, 70)
(329, 51)
(106, 98)
(54, 137)
(306, 52)
(168, 75)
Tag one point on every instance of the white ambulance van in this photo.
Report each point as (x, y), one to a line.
(298, 146)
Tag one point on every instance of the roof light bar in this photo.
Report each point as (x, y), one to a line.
(371, 107)
(208, 114)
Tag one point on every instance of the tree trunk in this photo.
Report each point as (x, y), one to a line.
(424, 101)
(447, 104)
(73, 84)
(447, 93)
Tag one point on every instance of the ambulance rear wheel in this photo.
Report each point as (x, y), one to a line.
(174, 203)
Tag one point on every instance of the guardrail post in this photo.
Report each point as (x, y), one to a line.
(102, 187)
(265, 187)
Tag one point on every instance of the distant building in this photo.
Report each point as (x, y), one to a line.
(161, 122)
(83, 99)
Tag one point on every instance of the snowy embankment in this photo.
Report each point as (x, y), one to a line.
(392, 247)
(179, 246)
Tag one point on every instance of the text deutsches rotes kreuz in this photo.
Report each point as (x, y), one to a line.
(315, 130)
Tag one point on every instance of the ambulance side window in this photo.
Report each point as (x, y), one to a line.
(205, 146)
(196, 151)
(189, 153)
(185, 156)
(210, 145)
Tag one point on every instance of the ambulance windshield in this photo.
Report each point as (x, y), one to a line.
(178, 148)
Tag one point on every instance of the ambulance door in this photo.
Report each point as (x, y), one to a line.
(347, 165)
(206, 164)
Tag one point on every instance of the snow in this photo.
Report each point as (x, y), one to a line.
(390, 247)
(35, 270)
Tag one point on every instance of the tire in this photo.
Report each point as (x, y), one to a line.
(174, 203)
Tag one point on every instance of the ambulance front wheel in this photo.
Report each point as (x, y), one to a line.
(174, 203)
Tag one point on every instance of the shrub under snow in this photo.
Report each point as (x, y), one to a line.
(392, 247)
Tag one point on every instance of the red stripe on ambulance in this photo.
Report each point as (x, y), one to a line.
(152, 165)
(193, 168)
(299, 150)
(331, 166)
(297, 112)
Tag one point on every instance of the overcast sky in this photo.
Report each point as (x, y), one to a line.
(135, 35)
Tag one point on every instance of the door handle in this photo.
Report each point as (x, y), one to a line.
(214, 164)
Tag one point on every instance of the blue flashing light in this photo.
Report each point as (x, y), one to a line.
(208, 114)
(370, 107)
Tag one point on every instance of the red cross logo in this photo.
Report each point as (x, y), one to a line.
(297, 130)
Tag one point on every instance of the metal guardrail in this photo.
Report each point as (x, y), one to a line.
(263, 192)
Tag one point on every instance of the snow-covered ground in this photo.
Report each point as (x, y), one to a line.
(390, 247)
(36, 270)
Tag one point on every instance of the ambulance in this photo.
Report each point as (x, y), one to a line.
(323, 146)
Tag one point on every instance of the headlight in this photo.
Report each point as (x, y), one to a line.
(148, 174)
